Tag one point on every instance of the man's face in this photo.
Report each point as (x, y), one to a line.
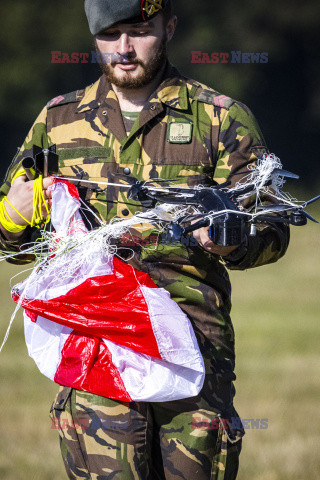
(138, 51)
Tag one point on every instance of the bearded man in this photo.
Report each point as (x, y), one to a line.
(144, 120)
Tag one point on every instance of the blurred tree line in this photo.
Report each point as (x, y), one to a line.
(284, 93)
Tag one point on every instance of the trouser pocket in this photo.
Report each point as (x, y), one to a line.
(70, 431)
(61, 399)
(225, 463)
(60, 413)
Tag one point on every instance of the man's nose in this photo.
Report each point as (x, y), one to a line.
(125, 45)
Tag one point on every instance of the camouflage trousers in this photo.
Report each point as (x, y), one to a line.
(105, 439)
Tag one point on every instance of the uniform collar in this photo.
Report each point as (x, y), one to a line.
(172, 92)
(95, 95)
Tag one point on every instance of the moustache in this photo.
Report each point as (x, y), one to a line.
(126, 60)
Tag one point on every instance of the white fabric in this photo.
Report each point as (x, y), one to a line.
(176, 340)
(45, 341)
(151, 379)
(60, 217)
(46, 285)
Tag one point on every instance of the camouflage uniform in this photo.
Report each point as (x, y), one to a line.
(189, 133)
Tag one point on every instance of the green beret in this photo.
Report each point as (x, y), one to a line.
(102, 14)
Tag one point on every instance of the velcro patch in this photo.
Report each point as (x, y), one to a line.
(64, 99)
(215, 98)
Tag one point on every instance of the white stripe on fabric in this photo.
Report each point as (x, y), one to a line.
(60, 216)
(45, 341)
(172, 328)
(149, 379)
(48, 285)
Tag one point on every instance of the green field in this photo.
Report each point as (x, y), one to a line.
(276, 318)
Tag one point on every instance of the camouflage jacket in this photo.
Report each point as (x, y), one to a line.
(186, 132)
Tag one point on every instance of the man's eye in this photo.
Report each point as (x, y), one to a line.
(110, 34)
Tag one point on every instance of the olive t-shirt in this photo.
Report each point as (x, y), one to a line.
(128, 119)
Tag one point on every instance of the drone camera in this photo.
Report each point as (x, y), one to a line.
(228, 231)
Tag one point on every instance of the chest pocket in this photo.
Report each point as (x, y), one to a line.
(87, 163)
(94, 164)
(174, 150)
(90, 163)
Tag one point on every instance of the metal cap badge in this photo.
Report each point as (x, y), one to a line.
(150, 8)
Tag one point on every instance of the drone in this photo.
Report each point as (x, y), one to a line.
(219, 209)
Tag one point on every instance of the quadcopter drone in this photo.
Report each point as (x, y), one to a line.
(217, 207)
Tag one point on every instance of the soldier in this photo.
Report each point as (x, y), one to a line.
(143, 119)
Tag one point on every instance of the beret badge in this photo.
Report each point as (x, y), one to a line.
(150, 7)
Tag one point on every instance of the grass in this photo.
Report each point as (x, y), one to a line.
(276, 318)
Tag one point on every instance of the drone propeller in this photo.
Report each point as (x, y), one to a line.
(309, 216)
(285, 173)
(284, 208)
(311, 201)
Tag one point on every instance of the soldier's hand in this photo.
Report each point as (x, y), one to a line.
(202, 237)
(21, 197)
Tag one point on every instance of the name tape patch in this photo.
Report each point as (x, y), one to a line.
(180, 132)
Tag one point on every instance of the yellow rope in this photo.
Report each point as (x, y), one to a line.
(38, 201)
(14, 208)
(7, 222)
(19, 173)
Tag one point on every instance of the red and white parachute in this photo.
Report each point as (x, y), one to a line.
(95, 323)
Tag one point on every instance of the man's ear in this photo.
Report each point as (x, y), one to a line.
(170, 27)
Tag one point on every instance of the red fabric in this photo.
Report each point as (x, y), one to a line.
(109, 306)
(33, 316)
(86, 364)
(72, 189)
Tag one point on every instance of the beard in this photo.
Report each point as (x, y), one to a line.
(149, 70)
